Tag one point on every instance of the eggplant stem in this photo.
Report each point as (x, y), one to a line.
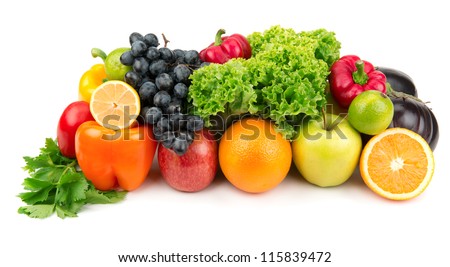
(394, 93)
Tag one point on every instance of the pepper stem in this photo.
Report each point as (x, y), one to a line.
(360, 76)
(97, 52)
(219, 37)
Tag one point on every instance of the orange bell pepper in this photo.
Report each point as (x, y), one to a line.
(111, 159)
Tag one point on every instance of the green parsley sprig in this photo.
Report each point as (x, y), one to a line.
(55, 185)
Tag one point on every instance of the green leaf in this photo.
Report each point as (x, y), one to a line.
(72, 187)
(51, 146)
(327, 47)
(44, 159)
(94, 196)
(49, 174)
(35, 184)
(65, 211)
(55, 185)
(225, 88)
(37, 196)
(49, 157)
(33, 164)
(37, 211)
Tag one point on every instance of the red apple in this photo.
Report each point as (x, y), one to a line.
(73, 116)
(194, 170)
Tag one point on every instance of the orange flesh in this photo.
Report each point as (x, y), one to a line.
(397, 168)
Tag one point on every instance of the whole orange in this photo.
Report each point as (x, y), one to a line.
(253, 156)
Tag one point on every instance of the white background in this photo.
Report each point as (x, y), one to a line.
(45, 48)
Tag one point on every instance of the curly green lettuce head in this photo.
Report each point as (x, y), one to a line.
(284, 80)
(322, 43)
(272, 36)
(325, 45)
(222, 88)
(297, 86)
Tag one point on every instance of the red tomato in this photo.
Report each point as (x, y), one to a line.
(73, 116)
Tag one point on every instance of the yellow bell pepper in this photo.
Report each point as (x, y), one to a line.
(90, 80)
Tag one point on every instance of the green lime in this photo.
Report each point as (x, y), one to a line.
(114, 69)
(371, 112)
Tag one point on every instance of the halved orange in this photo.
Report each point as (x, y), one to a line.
(397, 164)
(115, 105)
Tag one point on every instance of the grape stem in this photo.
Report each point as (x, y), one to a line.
(166, 41)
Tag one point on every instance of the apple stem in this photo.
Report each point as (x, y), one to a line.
(324, 117)
(335, 123)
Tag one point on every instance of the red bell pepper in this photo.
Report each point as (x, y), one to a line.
(111, 159)
(226, 48)
(351, 76)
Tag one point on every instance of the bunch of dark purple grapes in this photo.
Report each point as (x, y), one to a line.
(161, 78)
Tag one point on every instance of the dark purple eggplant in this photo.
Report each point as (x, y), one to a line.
(399, 81)
(413, 114)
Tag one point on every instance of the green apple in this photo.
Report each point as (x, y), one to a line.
(326, 151)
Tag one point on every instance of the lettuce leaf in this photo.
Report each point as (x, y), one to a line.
(225, 89)
(325, 46)
(284, 80)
